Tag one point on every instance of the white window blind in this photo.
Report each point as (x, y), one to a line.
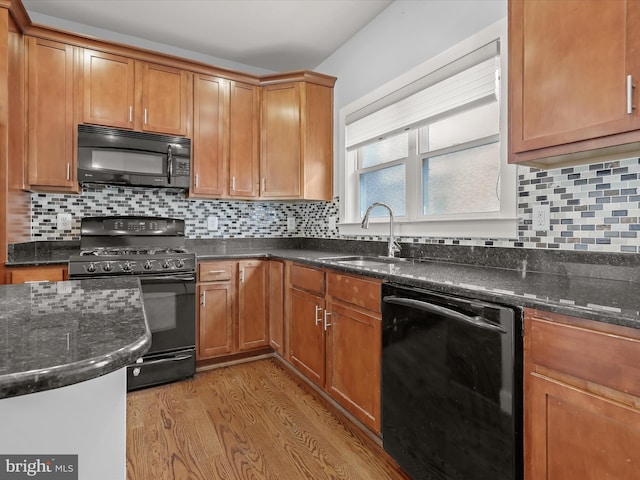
(468, 80)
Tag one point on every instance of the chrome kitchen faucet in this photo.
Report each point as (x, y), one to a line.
(393, 247)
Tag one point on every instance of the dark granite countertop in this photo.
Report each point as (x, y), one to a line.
(574, 289)
(58, 334)
(597, 286)
(32, 254)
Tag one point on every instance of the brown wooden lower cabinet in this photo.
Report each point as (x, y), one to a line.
(335, 337)
(45, 273)
(233, 307)
(582, 399)
(276, 306)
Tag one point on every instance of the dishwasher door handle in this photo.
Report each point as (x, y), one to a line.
(477, 321)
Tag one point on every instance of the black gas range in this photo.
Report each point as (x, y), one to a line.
(152, 249)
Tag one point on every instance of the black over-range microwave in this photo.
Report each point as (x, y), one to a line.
(123, 157)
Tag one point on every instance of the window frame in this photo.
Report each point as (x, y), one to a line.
(500, 224)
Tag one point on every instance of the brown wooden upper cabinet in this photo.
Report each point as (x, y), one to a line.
(296, 158)
(126, 93)
(225, 138)
(244, 149)
(209, 153)
(573, 93)
(50, 105)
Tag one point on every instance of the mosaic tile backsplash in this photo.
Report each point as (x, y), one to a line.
(593, 208)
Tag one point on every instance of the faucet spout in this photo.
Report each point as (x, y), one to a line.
(393, 246)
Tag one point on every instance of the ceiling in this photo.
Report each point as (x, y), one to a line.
(276, 35)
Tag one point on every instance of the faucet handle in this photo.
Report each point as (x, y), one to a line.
(394, 248)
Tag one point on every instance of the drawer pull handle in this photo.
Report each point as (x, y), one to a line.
(217, 271)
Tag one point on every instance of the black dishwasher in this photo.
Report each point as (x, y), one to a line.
(451, 385)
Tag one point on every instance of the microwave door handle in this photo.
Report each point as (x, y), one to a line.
(169, 164)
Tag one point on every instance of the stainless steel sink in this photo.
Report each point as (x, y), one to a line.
(364, 261)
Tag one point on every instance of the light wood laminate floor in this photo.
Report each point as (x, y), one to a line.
(254, 420)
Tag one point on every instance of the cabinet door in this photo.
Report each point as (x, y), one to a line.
(575, 434)
(276, 306)
(353, 343)
(243, 140)
(165, 99)
(307, 335)
(50, 120)
(566, 84)
(209, 149)
(253, 291)
(108, 89)
(215, 317)
(280, 160)
(318, 142)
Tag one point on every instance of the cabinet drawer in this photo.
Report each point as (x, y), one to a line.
(215, 271)
(307, 278)
(36, 274)
(356, 290)
(608, 359)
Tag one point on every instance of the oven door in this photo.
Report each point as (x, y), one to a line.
(170, 306)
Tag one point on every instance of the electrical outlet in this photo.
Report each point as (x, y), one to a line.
(64, 221)
(332, 223)
(541, 214)
(212, 222)
(291, 223)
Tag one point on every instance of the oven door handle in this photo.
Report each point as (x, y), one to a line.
(188, 277)
(477, 321)
(177, 358)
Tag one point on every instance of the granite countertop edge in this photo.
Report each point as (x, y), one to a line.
(33, 381)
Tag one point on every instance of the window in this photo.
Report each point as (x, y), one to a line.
(434, 148)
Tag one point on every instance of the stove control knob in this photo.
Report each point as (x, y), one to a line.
(180, 263)
(107, 267)
(126, 266)
(166, 264)
(148, 265)
(91, 267)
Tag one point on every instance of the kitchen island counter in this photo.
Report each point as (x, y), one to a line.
(60, 334)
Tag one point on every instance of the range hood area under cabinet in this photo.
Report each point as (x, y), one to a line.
(242, 146)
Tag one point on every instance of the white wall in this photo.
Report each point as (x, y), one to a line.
(404, 35)
(108, 35)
